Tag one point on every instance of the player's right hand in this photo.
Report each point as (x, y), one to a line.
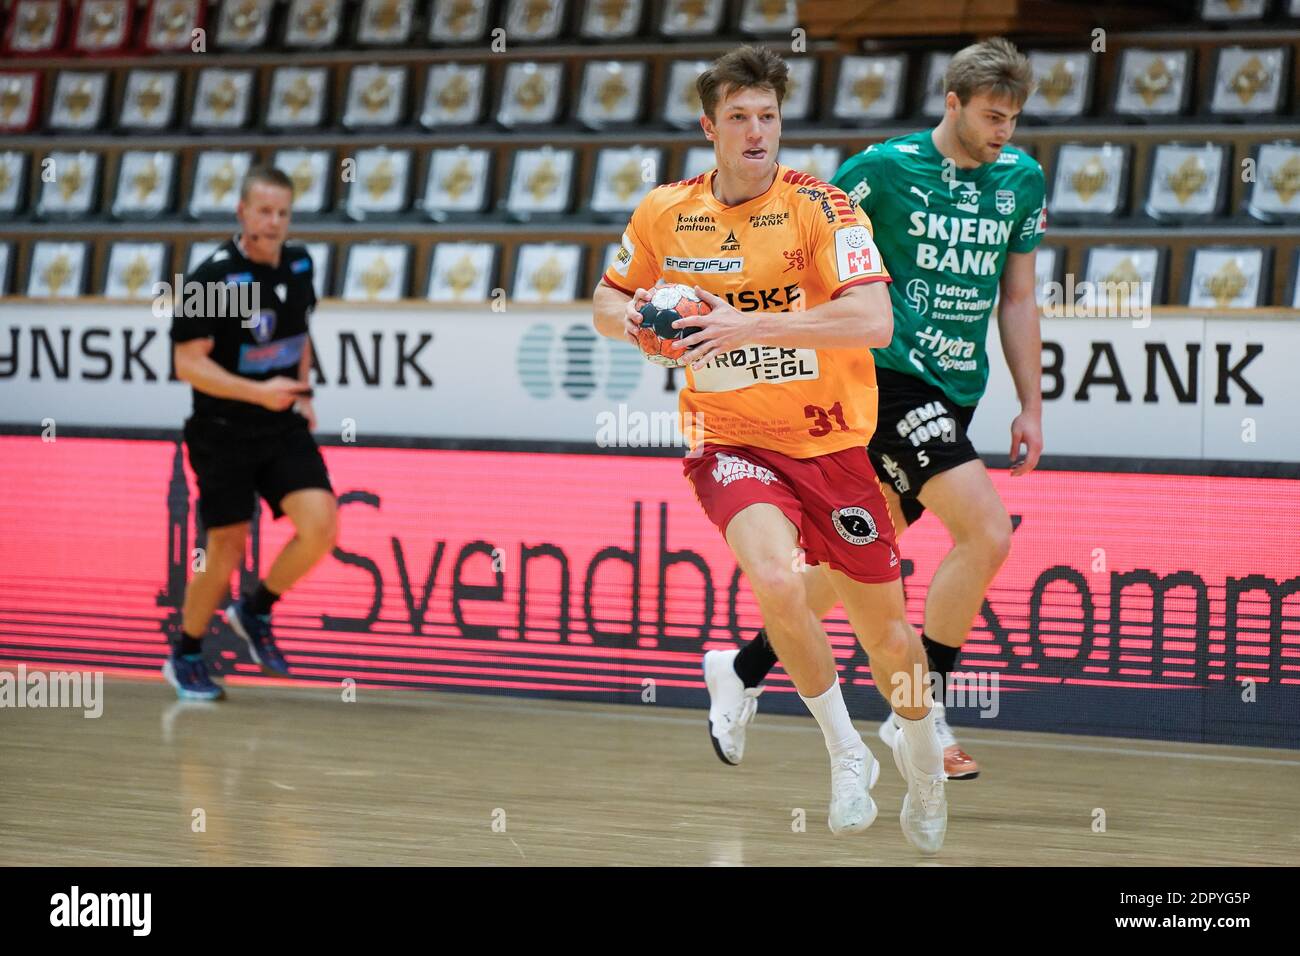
(632, 315)
(280, 392)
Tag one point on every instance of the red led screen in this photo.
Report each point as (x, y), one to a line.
(1131, 604)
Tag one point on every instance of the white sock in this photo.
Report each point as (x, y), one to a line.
(923, 749)
(833, 718)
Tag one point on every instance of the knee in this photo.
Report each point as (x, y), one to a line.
(320, 532)
(997, 540)
(891, 638)
(225, 547)
(779, 590)
(990, 538)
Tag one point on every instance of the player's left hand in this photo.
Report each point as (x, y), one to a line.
(725, 327)
(305, 409)
(1026, 432)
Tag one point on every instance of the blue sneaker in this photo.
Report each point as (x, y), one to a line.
(189, 675)
(256, 630)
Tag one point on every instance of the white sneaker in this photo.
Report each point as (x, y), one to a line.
(888, 731)
(732, 705)
(957, 764)
(946, 738)
(925, 807)
(852, 777)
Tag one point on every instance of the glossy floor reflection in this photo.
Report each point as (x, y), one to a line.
(297, 776)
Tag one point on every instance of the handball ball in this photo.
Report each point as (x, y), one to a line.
(660, 342)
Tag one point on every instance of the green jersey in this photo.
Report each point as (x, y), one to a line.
(944, 234)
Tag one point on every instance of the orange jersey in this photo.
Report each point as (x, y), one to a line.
(796, 246)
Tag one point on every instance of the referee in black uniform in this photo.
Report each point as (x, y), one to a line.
(250, 431)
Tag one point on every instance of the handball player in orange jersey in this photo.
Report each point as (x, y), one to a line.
(781, 380)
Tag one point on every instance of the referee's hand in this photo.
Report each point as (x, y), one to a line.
(280, 393)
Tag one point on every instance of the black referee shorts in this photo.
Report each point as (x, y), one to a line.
(234, 463)
(919, 433)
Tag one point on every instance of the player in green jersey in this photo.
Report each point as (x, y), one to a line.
(958, 213)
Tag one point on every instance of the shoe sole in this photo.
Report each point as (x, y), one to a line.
(708, 721)
(169, 675)
(717, 749)
(232, 619)
(885, 738)
(907, 793)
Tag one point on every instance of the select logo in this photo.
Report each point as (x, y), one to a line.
(102, 909)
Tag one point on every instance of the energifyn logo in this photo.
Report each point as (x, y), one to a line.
(720, 266)
(855, 525)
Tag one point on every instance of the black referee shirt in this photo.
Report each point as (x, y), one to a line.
(277, 334)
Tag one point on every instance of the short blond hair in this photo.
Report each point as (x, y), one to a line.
(994, 67)
(267, 176)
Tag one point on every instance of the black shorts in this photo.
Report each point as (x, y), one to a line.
(920, 433)
(234, 464)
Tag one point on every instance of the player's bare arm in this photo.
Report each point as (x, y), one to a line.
(1022, 344)
(194, 365)
(304, 405)
(860, 318)
(615, 312)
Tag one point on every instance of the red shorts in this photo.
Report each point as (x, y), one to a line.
(834, 500)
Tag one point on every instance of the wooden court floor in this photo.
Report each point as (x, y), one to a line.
(278, 775)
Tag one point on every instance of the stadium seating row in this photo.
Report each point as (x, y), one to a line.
(1092, 183)
(100, 27)
(1154, 85)
(1222, 277)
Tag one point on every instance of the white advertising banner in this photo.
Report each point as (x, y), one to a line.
(1188, 385)
(1178, 385)
(528, 373)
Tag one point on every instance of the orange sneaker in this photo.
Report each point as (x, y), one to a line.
(959, 765)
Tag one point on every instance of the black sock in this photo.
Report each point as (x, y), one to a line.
(188, 645)
(262, 600)
(755, 660)
(942, 660)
